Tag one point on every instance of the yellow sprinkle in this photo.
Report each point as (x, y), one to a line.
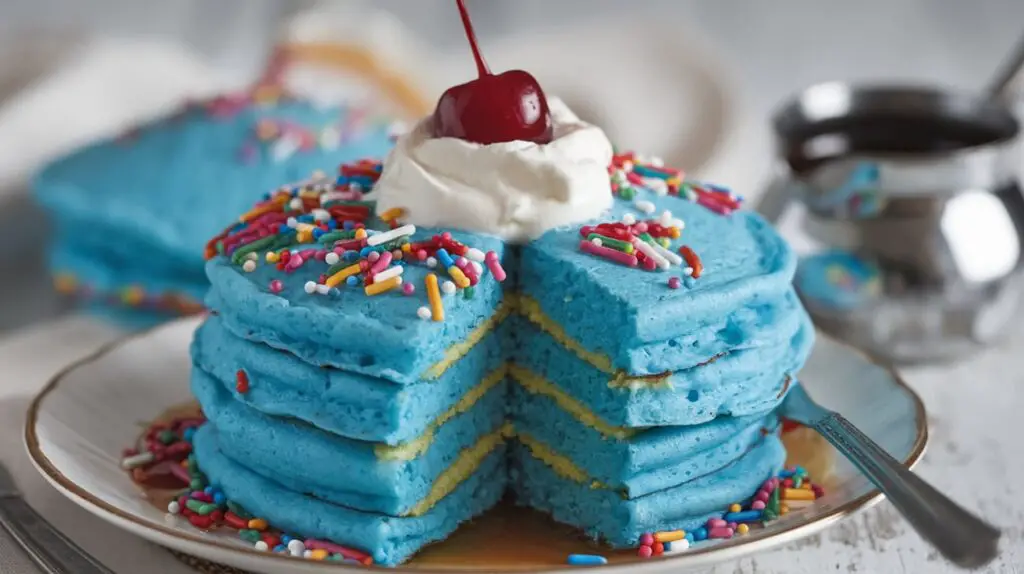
(742, 529)
(797, 494)
(783, 509)
(459, 277)
(318, 554)
(257, 524)
(669, 536)
(360, 233)
(272, 257)
(393, 213)
(735, 508)
(340, 276)
(382, 286)
(434, 296)
(406, 247)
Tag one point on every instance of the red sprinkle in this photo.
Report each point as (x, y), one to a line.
(241, 382)
(235, 521)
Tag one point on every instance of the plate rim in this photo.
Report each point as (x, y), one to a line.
(135, 525)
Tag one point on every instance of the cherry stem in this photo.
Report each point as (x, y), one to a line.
(481, 65)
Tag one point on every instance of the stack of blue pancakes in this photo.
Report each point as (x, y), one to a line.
(592, 391)
(131, 214)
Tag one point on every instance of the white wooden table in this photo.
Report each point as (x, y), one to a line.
(974, 412)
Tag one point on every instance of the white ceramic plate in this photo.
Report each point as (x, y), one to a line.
(78, 425)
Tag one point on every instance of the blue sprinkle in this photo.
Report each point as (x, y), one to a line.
(444, 259)
(352, 280)
(219, 499)
(285, 539)
(317, 233)
(350, 255)
(280, 548)
(331, 224)
(689, 537)
(668, 546)
(744, 516)
(700, 534)
(208, 490)
(786, 473)
(365, 251)
(189, 432)
(348, 225)
(586, 560)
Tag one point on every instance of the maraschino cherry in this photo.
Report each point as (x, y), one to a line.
(493, 108)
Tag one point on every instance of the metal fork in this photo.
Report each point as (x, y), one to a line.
(963, 538)
(48, 548)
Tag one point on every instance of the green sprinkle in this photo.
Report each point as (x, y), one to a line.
(627, 193)
(197, 484)
(797, 480)
(332, 236)
(773, 502)
(194, 505)
(249, 535)
(248, 248)
(612, 243)
(167, 437)
(468, 292)
(238, 510)
(206, 509)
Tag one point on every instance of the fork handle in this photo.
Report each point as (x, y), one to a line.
(51, 550)
(961, 537)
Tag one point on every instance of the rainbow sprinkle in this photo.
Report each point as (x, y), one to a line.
(790, 487)
(630, 172)
(328, 220)
(164, 457)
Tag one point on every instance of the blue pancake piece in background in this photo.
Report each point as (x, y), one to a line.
(156, 195)
(838, 280)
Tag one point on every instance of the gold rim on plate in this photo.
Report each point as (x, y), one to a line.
(791, 531)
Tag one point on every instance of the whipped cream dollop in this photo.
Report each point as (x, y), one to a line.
(516, 190)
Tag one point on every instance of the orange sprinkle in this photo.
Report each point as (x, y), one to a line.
(692, 260)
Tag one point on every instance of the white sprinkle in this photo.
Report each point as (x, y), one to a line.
(391, 235)
(658, 186)
(644, 206)
(688, 271)
(649, 251)
(249, 266)
(393, 271)
(629, 219)
(310, 287)
(252, 256)
(448, 288)
(330, 138)
(173, 507)
(321, 214)
(477, 268)
(137, 460)
(307, 553)
(292, 222)
(431, 262)
(666, 217)
(679, 546)
(597, 241)
(474, 254)
(332, 258)
(296, 547)
(261, 546)
(679, 223)
(322, 289)
(284, 148)
(423, 313)
(295, 203)
(672, 257)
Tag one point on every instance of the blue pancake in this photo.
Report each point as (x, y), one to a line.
(362, 475)
(746, 264)
(737, 383)
(379, 336)
(604, 515)
(343, 402)
(388, 539)
(152, 199)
